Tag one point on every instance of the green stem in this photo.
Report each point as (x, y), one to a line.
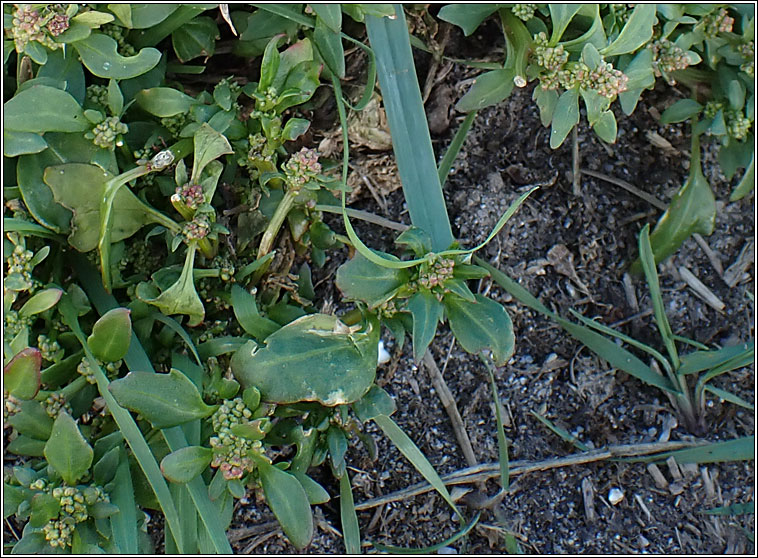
(67, 392)
(277, 220)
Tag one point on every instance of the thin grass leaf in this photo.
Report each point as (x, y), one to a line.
(410, 131)
(10, 224)
(560, 432)
(746, 508)
(429, 549)
(727, 396)
(254, 266)
(124, 523)
(350, 531)
(368, 92)
(502, 441)
(630, 340)
(455, 147)
(691, 342)
(292, 12)
(414, 455)
(180, 331)
(516, 290)
(739, 361)
(651, 275)
(708, 360)
(741, 449)
(220, 346)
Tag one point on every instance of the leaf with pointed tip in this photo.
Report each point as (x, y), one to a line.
(362, 279)
(427, 312)
(41, 301)
(479, 325)
(183, 465)
(111, 335)
(67, 451)
(21, 376)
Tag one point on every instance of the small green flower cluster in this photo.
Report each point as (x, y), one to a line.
(667, 58)
(226, 266)
(116, 33)
(74, 504)
(737, 125)
(436, 272)
(51, 351)
(260, 154)
(218, 327)
(14, 323)
(106, 134)
(20, 264)
(551, 58)
(607, 81)
(55, 403)
(175, 124)
(196, 229)
(747, 50)
(141, 257)
(524, 12)
(388, 309)
(12, 405)
(190, 195)
(232, 453)
(715, 23)
(85, 369)
(98, 94)
(265, 105)
(301, 168)
(28, 24)
(712, 108)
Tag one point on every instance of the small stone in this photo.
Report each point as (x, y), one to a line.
(615, 495)
(447, 550)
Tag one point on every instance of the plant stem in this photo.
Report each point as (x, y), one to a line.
(276, 222)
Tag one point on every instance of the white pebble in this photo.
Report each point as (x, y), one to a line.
(615, 495)
(383, 355)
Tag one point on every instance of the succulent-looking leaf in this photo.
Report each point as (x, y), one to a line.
(427, 312)
(32, 421)
(480, 325)
(21, 376)
(183, 465)
(314, 358)
(67, 451)
(164, 101)
(488, 89)
(376, 402)
(289, 502)
(111, 335)
(99, 55)
(209, 145)
(467, 16)
(361, 279)
(22, 143)
(637, 31)
(565, 116)
(165, 400)
(54, 111)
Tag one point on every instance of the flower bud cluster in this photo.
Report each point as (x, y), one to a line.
(715, 23)
(55, 403)
(218, 327)
(265, 107)
(712, 108)
(14, 323)
(196, 229)
(301, 168)
(11, 406)
(190, 195)
(116, 33)
(260, 154)
(551, 58)
(607, 81)
(140, 257)
(436, 273)
(667, 58)
(106, 134)
(51, 351)
(85, 369)
(737, 125)
(388, 309)
(232, 453)
(747, 50)
(20, 263)
(98, 94)
(175, 124)
(73, 509)
(524, 12)
(226, 268)
(29, 24)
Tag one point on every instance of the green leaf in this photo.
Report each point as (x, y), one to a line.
(361, 279)
(350, 531)
(741, 449)
(746, 183)
(680, 111)
(22, 143)
(164, 101)
(560, 16)
(209, 145)
(99, 55)
(123, 12)
(32, 420)
(747, 508)
(414, 455)
(294, 128)
(41, 301)
(165, 400)
(317, 494)
(565, 116)
(375, 402)
(246, 312)
(289, 502)
(44, 507)
(605, 127)
(488, 89)
(480, 325)
(727, 396)
(427, 312)
(67, 451)
(185, 464)
(637, 31)
(546, 100)
(411, 141)
(80, 188)
(195, 38)
(314, 358)
(111, 335)
(698, 361)
(54, 111)
(330, 15)
(329, 45)
(24, 445)
(92, 18)
(21, 376)
(115, 98)
(144, 16)
(65, 67)
(467, 16)
(270, 63)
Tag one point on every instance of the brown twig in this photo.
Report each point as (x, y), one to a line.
(492, 470)
(576, 172)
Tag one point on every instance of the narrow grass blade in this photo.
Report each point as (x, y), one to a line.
(631, 341)
(220, 346)
(688, 341)
(560, 432)
(291, 12)
(410, 131)
(651, 275)
(254, 266)
(124, 523)
(741, 449)
(180, 331)
(11, 224)
(727, 396)
(502, 441)
(746, 508)
(429, 549)
(710, 359)
(516, 290)
(743, 359)
(455, 147)
(368, 92)
(414, 455)
(350, 530)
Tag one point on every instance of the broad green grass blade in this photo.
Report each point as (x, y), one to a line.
(410, 131)
(651, 275)
(455, 147)
(560, 432)
(743, 359)
(710, 359)
(502, 441)
(124, 523)
(414, 455)
(741, 449)
(350, 530)
(429, 549)
(630, 340)
(137, 359)
(727, 396)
